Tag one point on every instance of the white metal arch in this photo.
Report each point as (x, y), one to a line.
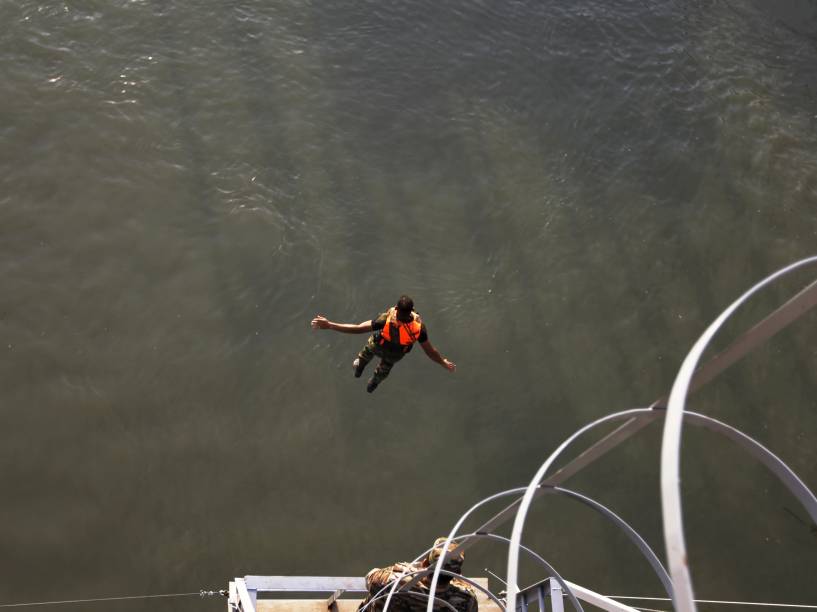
(671, 448)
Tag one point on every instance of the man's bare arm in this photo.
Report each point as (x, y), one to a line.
(434, 355)
(321, 322)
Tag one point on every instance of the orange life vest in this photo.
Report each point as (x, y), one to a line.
(398, 332)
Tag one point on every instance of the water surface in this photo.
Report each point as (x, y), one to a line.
(570, 192)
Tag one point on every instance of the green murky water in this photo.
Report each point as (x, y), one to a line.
(569, 192)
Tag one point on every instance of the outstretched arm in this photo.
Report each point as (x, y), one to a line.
(434, 355)
(321, 322)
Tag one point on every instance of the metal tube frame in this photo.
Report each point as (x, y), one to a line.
(671, 441)
(688, 379)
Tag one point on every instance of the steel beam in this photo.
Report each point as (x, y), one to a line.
(246, 597)
(644, 417)
(306, 584)
(600, 601)
(556, 603)
(752, 338)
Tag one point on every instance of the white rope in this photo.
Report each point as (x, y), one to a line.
(719, 601)
(73, 601)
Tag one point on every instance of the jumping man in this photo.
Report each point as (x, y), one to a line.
(395, 331)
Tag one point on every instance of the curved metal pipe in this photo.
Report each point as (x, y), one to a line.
(524, 506)
(550, 569)
(671, 449)
(776, 465)
(631, 533)
(452, 535)
(418, 594)
(492, 536)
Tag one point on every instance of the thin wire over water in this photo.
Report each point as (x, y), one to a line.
(100, 599)
(721, 601)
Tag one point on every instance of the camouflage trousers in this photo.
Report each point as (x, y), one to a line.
(387, 359)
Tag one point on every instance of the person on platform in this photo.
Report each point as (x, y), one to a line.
(414, 598)
(395, 332)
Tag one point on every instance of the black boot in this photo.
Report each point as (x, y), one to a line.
(372, 384)
(358, 364)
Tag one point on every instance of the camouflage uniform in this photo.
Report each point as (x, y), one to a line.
(457, 593)
(388, 356)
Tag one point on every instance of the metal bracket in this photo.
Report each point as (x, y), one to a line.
(330, 603)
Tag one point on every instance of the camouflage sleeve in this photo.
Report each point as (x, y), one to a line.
(377, 578)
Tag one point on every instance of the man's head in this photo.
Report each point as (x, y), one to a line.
(453, 560)
(404, 307)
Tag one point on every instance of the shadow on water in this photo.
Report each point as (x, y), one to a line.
(568, 192)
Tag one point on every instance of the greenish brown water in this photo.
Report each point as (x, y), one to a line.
(570, 192)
